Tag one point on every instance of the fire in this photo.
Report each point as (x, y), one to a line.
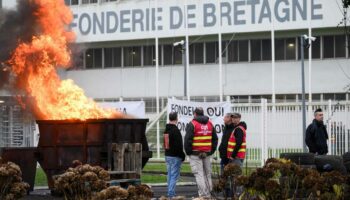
(35, 64)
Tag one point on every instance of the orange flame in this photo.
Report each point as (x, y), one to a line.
(34, 65)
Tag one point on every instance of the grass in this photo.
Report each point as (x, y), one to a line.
(161, 167)
(40, 177)
(151, 178)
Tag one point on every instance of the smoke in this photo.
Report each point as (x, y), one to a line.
(15, 26)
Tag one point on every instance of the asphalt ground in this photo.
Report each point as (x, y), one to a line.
(188, 191)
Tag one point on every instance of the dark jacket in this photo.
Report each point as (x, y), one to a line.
(224, 141)
(316, 138)
(175, 142)
(239, 134)
(190, 134)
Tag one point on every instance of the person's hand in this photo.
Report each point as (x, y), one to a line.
(231, 159)
(202, 155)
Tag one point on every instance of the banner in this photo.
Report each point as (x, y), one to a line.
(214, 110)
(133, 108)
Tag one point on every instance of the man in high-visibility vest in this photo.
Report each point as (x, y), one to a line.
(236, 148)
(200, 143)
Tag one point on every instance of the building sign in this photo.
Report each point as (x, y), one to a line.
(141, 19)
(214, 110)
(132, 108)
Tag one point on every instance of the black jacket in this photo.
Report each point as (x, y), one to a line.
(239, 134)
(316, 138)
(175, 142)
(190, 134)
(224, 141)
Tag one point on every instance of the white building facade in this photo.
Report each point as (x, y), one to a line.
(118, 41)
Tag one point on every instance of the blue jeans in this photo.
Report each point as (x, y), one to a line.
(173, 167)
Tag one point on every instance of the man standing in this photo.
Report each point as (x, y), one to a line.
(316, 135)
(236, 148)
(200, 143)
(224, 139)
(174, 154)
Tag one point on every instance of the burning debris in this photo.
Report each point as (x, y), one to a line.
(41, 48)
(11, 185)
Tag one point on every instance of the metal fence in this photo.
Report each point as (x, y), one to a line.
(274, 129)
(16, 127)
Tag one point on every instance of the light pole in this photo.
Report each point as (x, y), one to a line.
(183, 50)
(304, 43)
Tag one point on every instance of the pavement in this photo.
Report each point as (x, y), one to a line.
(189, 190)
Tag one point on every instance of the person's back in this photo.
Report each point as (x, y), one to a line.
(316, 135)
(175, 148)
(200, 143)
(174, 154)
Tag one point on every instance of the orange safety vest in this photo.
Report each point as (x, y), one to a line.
(202, 139)
(232, 144)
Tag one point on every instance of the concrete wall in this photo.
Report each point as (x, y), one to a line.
(239, 79)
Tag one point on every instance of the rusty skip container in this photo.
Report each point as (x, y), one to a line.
(63, 141)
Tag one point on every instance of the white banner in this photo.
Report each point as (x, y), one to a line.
(133, 108)
(214, 110)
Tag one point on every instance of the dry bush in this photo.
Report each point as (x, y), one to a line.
(81, 182)
(11, 185)
(85, 182)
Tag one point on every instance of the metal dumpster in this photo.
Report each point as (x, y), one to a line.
(24, 157)
(63, 141)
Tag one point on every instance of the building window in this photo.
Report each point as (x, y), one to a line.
(196, 53)
(212, 52)
(233, 51)
(238, 51)
(340, 46)
(260, 50)
(88, 1)
(316, 49)
(113, 57)
(328, 47)
(177, 55)
(168, 54)
(340, 97)
(172, 55)
(334, 46)
(285, 49)
(77, 60)
(150, 105)
(334, 97)
(279, 49)
(71, 2)
(255, 50)
(290, 49)
(240, 99)
(93, 58)
(132, 56)
(149, 55)
(266, 49)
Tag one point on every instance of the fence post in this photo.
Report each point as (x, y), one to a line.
(263, 131)
(346, 127)
(329, 124)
